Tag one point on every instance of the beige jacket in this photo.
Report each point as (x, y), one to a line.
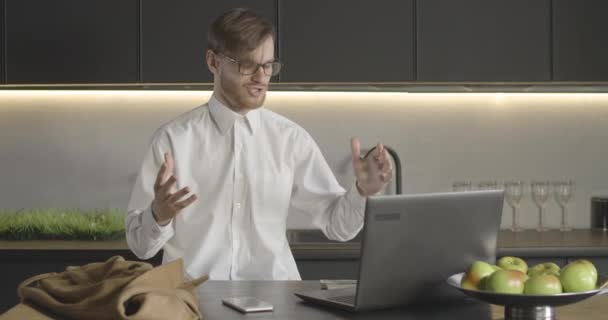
(114, 289)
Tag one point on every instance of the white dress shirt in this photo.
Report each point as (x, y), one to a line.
(247, 172)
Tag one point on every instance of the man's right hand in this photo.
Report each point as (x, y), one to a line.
(166, 204)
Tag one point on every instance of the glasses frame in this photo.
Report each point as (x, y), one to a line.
(274, 65)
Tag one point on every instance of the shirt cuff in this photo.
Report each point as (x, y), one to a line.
(154, 229)
(356, 200)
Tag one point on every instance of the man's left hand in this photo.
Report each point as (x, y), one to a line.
(372, 172)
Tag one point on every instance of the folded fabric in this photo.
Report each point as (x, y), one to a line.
(115, 289)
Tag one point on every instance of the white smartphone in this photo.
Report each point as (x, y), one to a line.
(247, 304)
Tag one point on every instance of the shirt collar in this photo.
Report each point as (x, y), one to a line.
(224, 117)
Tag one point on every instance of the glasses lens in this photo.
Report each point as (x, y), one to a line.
(276, 68)
(247, 67)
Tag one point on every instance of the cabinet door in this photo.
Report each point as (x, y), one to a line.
(580, 46)
(174, 36)
(346, 41)
(480, 40)
(71, 41)
(2, 77)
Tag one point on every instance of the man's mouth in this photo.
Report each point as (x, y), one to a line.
(256, 91)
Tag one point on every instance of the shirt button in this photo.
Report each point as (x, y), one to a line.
(237, 205)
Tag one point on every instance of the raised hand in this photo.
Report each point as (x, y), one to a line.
(167, 203)
(372, 172)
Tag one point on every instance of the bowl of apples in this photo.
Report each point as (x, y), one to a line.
(529, 293)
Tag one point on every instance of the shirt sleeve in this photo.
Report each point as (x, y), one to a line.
(145, 236)
(316, 192)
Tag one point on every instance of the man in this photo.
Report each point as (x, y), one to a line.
(217, 182)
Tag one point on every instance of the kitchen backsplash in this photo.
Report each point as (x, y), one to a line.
(65, 149)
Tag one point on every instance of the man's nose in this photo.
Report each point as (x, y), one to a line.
(259, 74)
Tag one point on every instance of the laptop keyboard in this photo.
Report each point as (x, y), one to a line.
(344, 299)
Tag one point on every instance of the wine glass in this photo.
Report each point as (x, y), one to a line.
(514, 191)
(540, 195)
(487, 185)
(462, 186)
(563, 192)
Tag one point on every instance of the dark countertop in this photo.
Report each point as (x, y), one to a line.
(312, 244)
(288, 306)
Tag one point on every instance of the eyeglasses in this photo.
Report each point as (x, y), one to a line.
(249, 67)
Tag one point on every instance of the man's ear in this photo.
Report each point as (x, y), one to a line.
(212, 61)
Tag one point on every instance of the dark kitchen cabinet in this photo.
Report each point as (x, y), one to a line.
(71, 41)
(174, 36)
(480, 40)
(2, 78)
(346, 41)
(580, 43)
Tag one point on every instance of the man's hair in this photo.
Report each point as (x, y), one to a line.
(238, 31)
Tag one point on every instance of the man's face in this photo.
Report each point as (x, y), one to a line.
(242, 92)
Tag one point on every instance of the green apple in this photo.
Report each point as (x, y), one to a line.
(513, 263)
(578, 276)
(544, 268)
(506, 281)
(496, 268)
(543, 284)
(477, 271)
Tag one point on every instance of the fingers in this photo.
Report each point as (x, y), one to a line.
(378, 150)
(381, 157)
(178, 195)
(358, 164)
(178, 205)
(160, 177)
(169, 162)
(165, 171)
(383, 162)
(165, 190)
(355, 148)
(167, 207)
(386, 176)
(183, 204)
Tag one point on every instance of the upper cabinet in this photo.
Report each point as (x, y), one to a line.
(346, 41)
(1, 41)
(159, 41)
(71, 41)
(481, 40)
(580, 45)
(174, 36)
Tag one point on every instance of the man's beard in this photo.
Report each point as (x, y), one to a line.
(238, 96)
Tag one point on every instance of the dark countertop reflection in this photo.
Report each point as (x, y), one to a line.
(288, 306)
(529, 243)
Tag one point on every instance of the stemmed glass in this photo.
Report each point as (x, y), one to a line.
(487, 185)
(540, 195)
(563, 192)
(462, 186)
(514, 191)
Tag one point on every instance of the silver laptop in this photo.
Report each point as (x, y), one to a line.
(412, 243)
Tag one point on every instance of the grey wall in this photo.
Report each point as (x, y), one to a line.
(83, 148)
